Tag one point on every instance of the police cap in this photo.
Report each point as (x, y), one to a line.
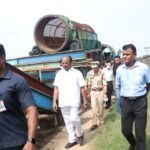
(94, 64)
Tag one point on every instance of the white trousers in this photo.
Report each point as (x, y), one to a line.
(72, 122)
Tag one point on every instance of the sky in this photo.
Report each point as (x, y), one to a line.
(116, 22)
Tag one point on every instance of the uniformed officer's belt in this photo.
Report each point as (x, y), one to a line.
(96, 89)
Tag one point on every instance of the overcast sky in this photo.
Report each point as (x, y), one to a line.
(116, 22)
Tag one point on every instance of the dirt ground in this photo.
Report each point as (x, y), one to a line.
(55, 138)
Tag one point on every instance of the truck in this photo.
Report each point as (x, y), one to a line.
(57, 36)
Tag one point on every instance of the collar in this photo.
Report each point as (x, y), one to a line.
(98, 73)
(71, 69)
(136, 64)
(7, 73)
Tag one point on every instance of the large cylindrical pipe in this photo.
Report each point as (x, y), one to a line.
(108, 53)
(55, 33)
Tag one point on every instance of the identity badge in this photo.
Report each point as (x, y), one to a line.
(2, 106)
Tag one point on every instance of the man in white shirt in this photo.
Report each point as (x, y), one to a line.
(68, 84)
(108, 72)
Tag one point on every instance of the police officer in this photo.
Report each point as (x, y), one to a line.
(96, 89)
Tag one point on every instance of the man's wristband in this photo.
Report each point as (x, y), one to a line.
(31, 140)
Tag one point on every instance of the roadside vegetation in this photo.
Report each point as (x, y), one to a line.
(110, 136)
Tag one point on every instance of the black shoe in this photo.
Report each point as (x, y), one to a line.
(81, 140)
(69, 145)
(107, 107)
(93, 127)
(131, 147)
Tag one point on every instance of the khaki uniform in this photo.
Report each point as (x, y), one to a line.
(96, 83)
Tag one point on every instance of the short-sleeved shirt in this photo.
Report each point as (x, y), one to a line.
(132, 81)
(69, 84)
(16, 96)
(108, 74)
(96, 80)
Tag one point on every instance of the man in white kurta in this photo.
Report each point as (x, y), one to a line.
(68, 84)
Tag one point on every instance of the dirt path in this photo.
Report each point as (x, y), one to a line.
(56, 138)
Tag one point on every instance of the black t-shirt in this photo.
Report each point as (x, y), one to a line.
(16, 96)
(115, 66)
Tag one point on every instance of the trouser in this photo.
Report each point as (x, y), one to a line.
(134, 111)
(14, 148)
(72, 122)
(109, 92)
(97, 107)
(117, 94)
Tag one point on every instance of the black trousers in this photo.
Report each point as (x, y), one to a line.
(109, 92)
(134, 111)
(15, 148)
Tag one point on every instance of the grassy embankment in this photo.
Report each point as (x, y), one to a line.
(110, 136)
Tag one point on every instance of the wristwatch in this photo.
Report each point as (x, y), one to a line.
(31, 140)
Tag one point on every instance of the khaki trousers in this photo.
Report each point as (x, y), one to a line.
(97, 107)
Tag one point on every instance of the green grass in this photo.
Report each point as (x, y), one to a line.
(110, 136)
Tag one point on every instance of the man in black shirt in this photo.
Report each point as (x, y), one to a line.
(117, 63)
(16, 101)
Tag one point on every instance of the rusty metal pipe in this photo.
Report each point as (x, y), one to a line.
(54, 33)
